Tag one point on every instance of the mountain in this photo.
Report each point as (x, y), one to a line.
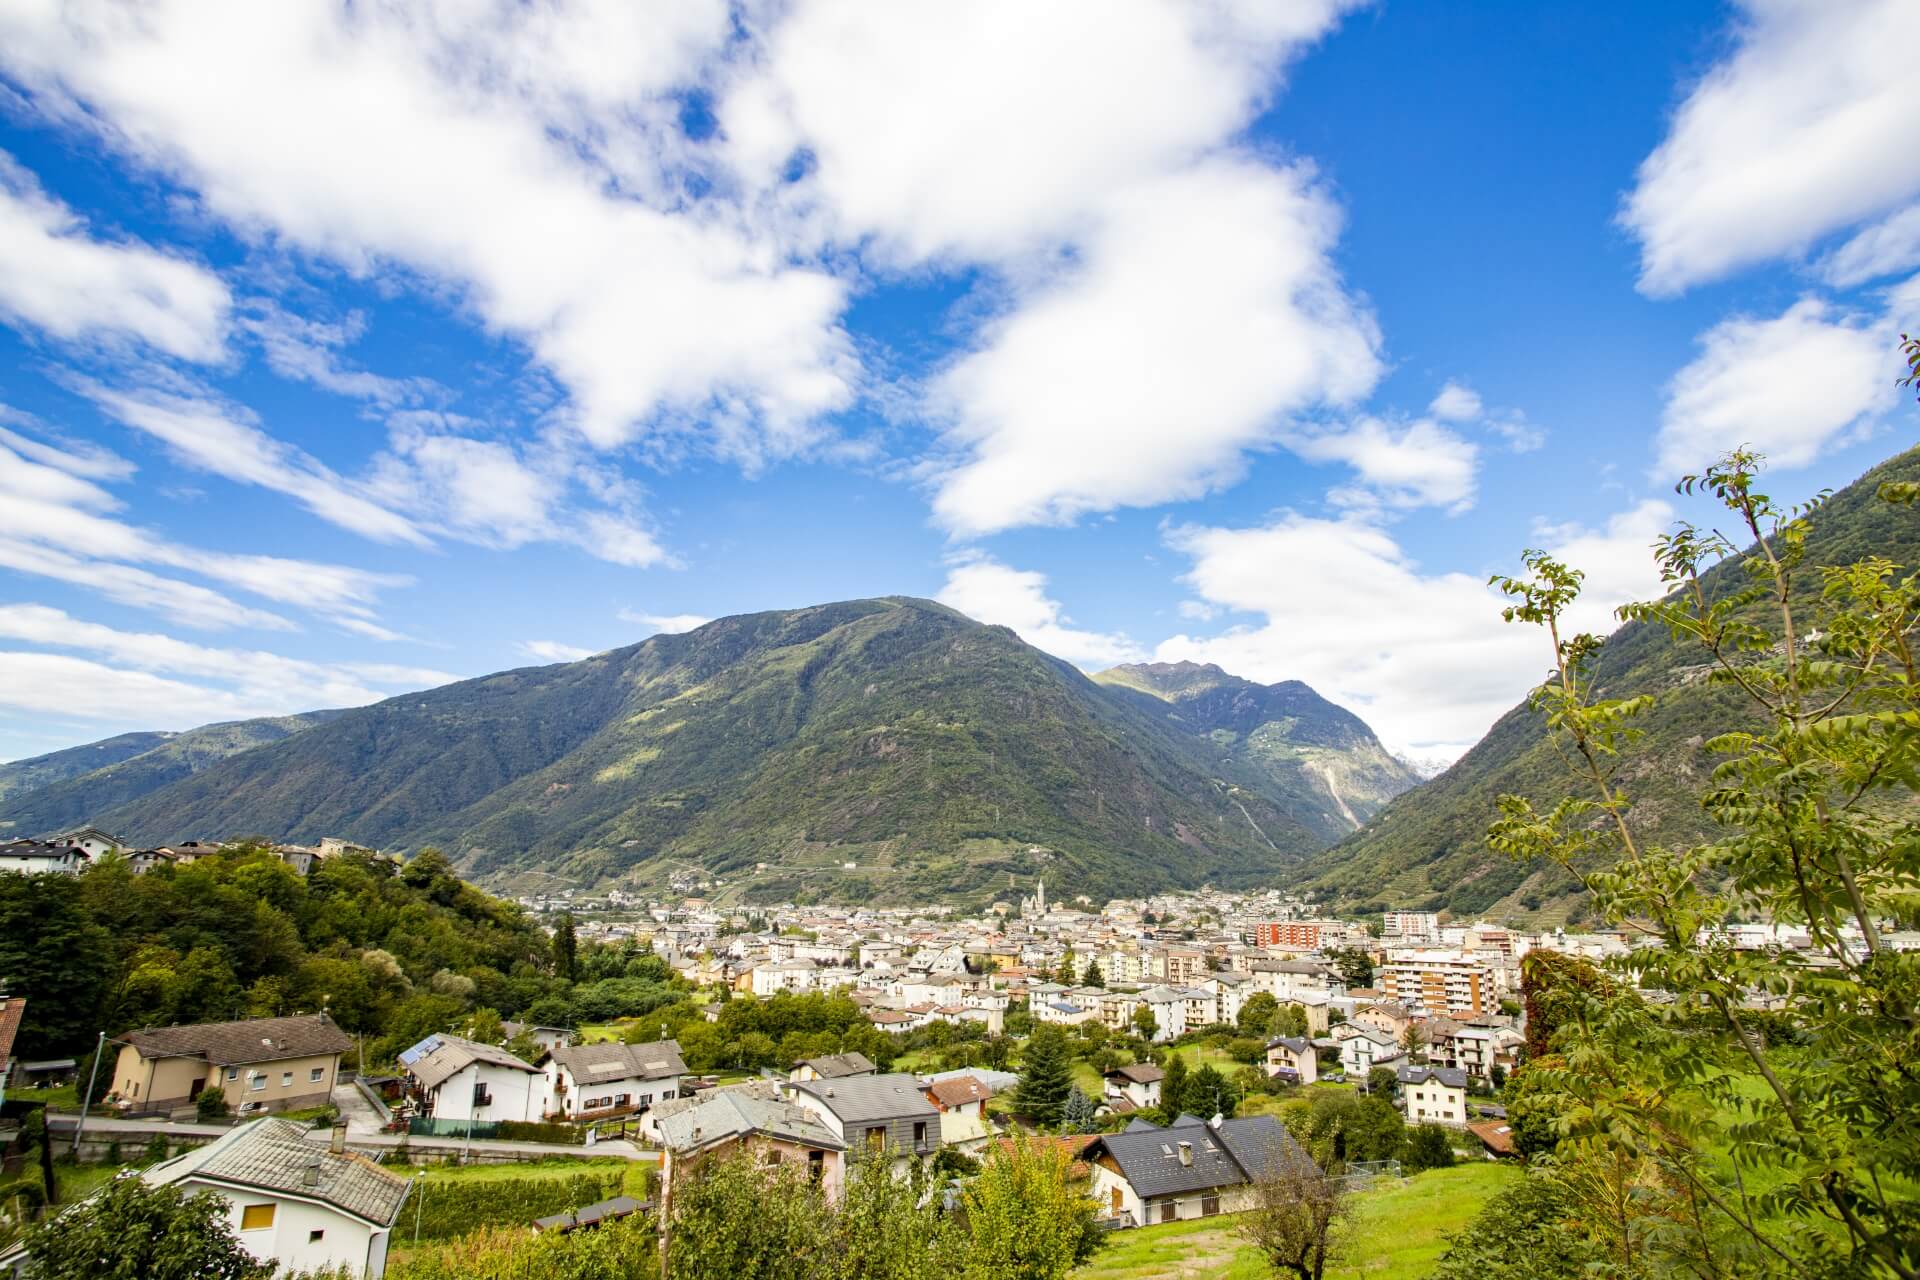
(17, 777)
(1319, 761)
(939, 756)
(1427, 850)
(69, 788)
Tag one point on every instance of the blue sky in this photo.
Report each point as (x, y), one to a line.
(347, 349)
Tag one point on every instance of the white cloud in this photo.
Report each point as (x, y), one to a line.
(261, 683)
(54, 523)
(554, 651)
(529, 158)
(58, 684)
(1418, 464)
(1805, 129)
(1199, 312)
(1456, 403)
(309, 351)
(988, 591)
(1789, 386)
(1422, 657)
(666, 624)
(1887, 247)
(58, 278)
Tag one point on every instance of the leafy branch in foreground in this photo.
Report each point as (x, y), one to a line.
(1740, 1110)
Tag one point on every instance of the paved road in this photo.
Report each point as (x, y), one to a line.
(374, 1144)
(354, 1108)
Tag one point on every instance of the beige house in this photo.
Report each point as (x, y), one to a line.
(262, 1064)
(756, 1116)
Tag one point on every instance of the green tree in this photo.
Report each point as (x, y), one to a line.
(1353, 964)
(133, 1230)
(732, 1218)
(1145, 1025)
(1024, 1220)
(1381, 1082)
(1256, 1014)
(55, 956)
(1208, 1094)
(1046, 1075)
(1173, 1088)
(1066, 973)
(1428, 1147)
(887, 1227)
(1814, 795)
(1521, 1234)
(566, 949)
(1289, 1020)
(211, 1103)
(1077, 1114)
(1296, 1219)
(1093, 977)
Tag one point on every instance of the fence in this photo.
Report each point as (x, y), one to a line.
(428, 1127)
(1360, 1174)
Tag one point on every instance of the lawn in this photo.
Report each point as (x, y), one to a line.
(558, 1167)
(1398, 1231)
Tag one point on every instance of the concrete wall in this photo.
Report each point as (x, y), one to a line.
(344, 1241)
(517, 1095)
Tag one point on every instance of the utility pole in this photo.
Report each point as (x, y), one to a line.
(100, 1047)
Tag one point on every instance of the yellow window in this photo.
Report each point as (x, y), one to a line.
(256, 1217)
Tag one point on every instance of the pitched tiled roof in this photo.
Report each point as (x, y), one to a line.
(226, 1044)
(10, 1014)
(274, 1155)
(861, 1098)
(833, 1066)
(451, 1055)
(1452, 1077)
(603, 1061)
(1234, 1153)
(1139, 1072)
(958, 1092)
(719, 1115)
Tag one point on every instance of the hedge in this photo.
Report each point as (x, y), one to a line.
(452, 1207)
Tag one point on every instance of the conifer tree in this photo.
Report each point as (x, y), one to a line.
(1045, 1077)
(1093, 977)
(1173, 1089)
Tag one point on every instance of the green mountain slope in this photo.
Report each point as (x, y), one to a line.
(940, 756)
(1427, 850)
(18, 777)
(130, 766)
(1318, 761)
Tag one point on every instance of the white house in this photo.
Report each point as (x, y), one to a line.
(91, 841)
(464, 1080)
(1137, 1084)
(1293, 1057)
(962, 1104)
(1363, 1048)
(609, 1078)
(1189, 1170)
(293, 1202)
(1434, 1095)
(1061, 1011)
(39, 858)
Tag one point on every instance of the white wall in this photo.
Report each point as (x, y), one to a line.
(516, 1094)
(345, 1241)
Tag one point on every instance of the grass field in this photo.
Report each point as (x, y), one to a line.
(559, 1167)
(1397, 1233)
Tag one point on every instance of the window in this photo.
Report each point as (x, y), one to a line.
(1209, 1205)
(877, 1136)
(233, 1073)
(316, 1236)
(816, 1165)
(256, 1217)
(919, 1133)
(257, 1081)
(286, 1079)
(773, 1159)
(1168, 1211)
(314, 1076)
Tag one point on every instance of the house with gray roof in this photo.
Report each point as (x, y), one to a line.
(1189, 1169)
(462, 1080)
(833, 1066)
(608, 1078)
(885, 1112)
(302, 1204)
(1433, 1095)
(758, 1114)
(260, 1064)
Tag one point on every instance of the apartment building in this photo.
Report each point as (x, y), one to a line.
(1440, 982)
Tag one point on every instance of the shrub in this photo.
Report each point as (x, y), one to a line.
(1428, 1147)
(212, 1105)
(451, 1207)
(622, 1250)
(540, 1131)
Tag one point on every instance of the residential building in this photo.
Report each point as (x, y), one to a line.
(1444, 982)
(261, 1064)
(962, 1104)
(880, 1112)
(1388, 1016)
(463, 1081)
(1411, 926)
(757, 1115)
(833, 1066)
(1293, 1059)
(607, 1078)
(1433, 1095)
(1289, 981)
(1137, 1084)
(306, 1207)
(1364, 1048)
(1191, 1169)
(41, 858)
(1301, 935)
(548, 1038)
(90, 841)
(12, 1009)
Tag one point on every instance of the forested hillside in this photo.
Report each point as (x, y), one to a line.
(1428, 849)
(66, 788)
(940, 756)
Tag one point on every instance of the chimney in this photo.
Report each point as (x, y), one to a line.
(338, 1142)
(1186, 1153)
(311, 1175)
